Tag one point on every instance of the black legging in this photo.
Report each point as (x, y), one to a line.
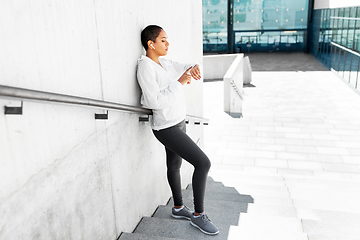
(179, 145)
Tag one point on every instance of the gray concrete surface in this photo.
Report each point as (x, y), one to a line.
(222, 203)
(284, 62)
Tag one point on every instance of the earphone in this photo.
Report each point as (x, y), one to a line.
(152, 46)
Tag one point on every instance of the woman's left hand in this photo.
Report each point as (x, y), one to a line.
(195, 72)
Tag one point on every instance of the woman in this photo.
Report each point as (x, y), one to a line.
(161, 81)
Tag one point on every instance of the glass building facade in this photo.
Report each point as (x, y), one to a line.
(336, 41)
(255, 25)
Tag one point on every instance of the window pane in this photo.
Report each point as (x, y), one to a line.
(215, 25)
(255, 18)
(270, 14)
(332, 23)
(357, 32)
(345, 27)
(340, 25)
(351, 31)
(335, 16)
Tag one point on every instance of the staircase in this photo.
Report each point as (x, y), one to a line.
(223, 205)
(295, 154)
(292, 207)
(272, 206)
(288, 170)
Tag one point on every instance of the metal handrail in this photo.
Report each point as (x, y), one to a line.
(35, 95)
(42, 96)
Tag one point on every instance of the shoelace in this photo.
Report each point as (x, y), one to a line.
(186, 208)
(205, 218)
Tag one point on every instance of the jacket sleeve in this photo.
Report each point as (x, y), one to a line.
(152, 96)
(181, 67)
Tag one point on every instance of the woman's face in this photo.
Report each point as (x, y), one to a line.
(161, 44)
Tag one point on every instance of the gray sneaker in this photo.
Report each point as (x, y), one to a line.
(183, 213)
(204, 224)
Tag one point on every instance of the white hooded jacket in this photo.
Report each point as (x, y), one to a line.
(161, 90)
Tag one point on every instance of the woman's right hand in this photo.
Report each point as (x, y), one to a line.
(186, 77)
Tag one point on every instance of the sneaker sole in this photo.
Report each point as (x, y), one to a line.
(179, 217)
(193, 224)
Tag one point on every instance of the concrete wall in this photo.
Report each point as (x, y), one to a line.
(63, 174)
(215, 66)
(233, 87)
(322, 4)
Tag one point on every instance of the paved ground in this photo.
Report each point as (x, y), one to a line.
(284, 62)
(296, 151)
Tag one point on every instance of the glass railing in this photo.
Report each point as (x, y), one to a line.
(270, 41)
(336, 41)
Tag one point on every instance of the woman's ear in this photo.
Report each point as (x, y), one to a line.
(150, 44)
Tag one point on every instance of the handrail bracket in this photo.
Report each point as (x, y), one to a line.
(102, 116)
(13, 110)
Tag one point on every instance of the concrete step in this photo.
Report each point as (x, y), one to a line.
(212, 183)
(322, 184)
(268, 210)
(255, 191)
(326, 195)
(260, 186)
(222, 213)
(136, 236)
(340, 176)
(273, 201)
(217, 188)
(252, 227)
(219, 211)
(286, 172)
(235, 169)
(339, 229)
(265, 171)
(282, 183)
(178, 229)
(327, 205)
(222, 204)
(332, 237)
(297, 185)
(272, 216)
(328, 216)
(228, 169)
(238, 177)
(260, 181)
(326, 176)
(329, 225)
(254, 184)
(219, 195)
